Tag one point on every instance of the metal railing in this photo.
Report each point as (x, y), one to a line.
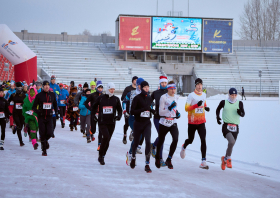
(247, 89)
(176, 59)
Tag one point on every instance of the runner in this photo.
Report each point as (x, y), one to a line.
(31, 118)
(11, 105)
(168, 112)
(108, 105)
(232, 111)
(72, 109)
(4, 117)
(42, 106)
(17, 98)
(54, 86)
(156, 96)
(80, 94)
(92, 86)
(38, 86)
(141, 109)
(62, 98)
(86, 117)
(126, 115)
(195, 106)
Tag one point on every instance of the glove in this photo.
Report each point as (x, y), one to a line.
(117, 118)
(154, 112)
(57, 92)
(199, 103)
(95, 118)
(239, 112)
(207, 109)
(178, 115)
(219, 120)
(172, 106)
(126, 115)
(7, 120)
(57, 117)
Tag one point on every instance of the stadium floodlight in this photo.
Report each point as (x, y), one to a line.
(260, 75)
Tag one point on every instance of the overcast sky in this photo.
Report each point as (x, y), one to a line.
(73, 16)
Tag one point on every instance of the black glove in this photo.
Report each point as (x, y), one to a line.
(117, 118)
(172, 106)
(7, 120)
(207, 109)
(154, 112)
(178, 115)
(239, 112)
(57, 117)
(126, 115)
(219, 120)
(199, 103)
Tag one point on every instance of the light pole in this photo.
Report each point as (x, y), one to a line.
(260, 75)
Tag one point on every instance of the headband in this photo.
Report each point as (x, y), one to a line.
(171, 86)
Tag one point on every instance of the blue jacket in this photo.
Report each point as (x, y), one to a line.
(62, 96)
(83, 110)
(9, 93)
(55, 88)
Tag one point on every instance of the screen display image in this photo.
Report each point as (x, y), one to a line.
(176, 33)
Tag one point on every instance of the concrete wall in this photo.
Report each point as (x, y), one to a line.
(176, 69)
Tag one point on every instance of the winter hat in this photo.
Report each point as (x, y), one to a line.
(85, 85)
(162, 79)
(18, 84)
(61, 84)
(197, 81)
(53, 77)
(232, 91)
(87, 90)
(110, 86)
(80, 85)
(92, 83)
(139, 81)
(99, 83)
(46, 83)
(144, 83)
(134, 77)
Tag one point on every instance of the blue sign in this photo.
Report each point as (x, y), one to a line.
(217, 36)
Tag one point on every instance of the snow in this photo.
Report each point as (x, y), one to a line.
(71, 168)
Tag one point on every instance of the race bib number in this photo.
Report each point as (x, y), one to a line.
(47, 105)
(12, 103)
(2, 115)
(199, 110)
(62, 101)
(168, 122)
(75, 108)
(232, 127)
(108, 110)
(18, 105)
(145, 114)
(96, 115)
(30, 112)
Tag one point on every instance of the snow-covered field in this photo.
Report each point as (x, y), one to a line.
(71, 168)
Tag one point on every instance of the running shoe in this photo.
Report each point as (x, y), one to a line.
(162, 163)
(101, 160)
(169, 163)
(157, 163)
(84, 135)
(88, 140)
(153, 152)
(128, 158)
(132, 163)
(36, 146)
(44, 153)
(229, 165)
(21, 144)
(124, 139)
(131, 136)
(203, 165)
(92, 138)
(138, 151)
(147, 169)
(183, 152)
(224, 163)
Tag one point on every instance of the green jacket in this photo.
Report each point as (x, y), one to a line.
(27, 106)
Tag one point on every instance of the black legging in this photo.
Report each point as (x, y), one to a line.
(202, 134)
(107, 132)
(3, 127)
(19, 120)
(125, 126)
(45, 130)
(54, 123)
(144, 129)
(62, 110)
(163, 130)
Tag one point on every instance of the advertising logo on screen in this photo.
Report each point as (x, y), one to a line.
(176, 33)
(135, 33)
(217, 36)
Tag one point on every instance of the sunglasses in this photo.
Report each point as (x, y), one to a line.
(52, 78)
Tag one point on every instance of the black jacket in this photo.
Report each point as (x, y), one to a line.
(17, 99)
(126, 91)
(40, 99)
(107, 106)
(156, 96)
(91, 99)
(4, 107)
(140, 104)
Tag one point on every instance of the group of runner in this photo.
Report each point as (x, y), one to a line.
(38, 106)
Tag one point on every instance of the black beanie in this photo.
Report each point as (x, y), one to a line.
(87, 90)
(46, 83)
(144, 83)
(134, 78)
(85, 85)
(18, 84)
(197, 81)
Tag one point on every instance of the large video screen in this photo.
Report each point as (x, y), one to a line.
(176, 33)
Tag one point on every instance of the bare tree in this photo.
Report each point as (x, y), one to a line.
(86, 32)
(260, 20)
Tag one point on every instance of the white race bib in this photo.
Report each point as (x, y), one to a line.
(47, 105)
(2, 115)
(18, 105)
(232, 127)
(168, 122)
(199, 110)
(108, 110)
(62, 101)
(75, 108)
(12, 103)
(30, 112)
(145, 114)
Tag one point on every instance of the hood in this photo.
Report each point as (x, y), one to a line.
(29, 97)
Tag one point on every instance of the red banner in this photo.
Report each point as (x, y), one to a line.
(135, 33)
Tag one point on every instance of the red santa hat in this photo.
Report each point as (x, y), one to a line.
(163, 79)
